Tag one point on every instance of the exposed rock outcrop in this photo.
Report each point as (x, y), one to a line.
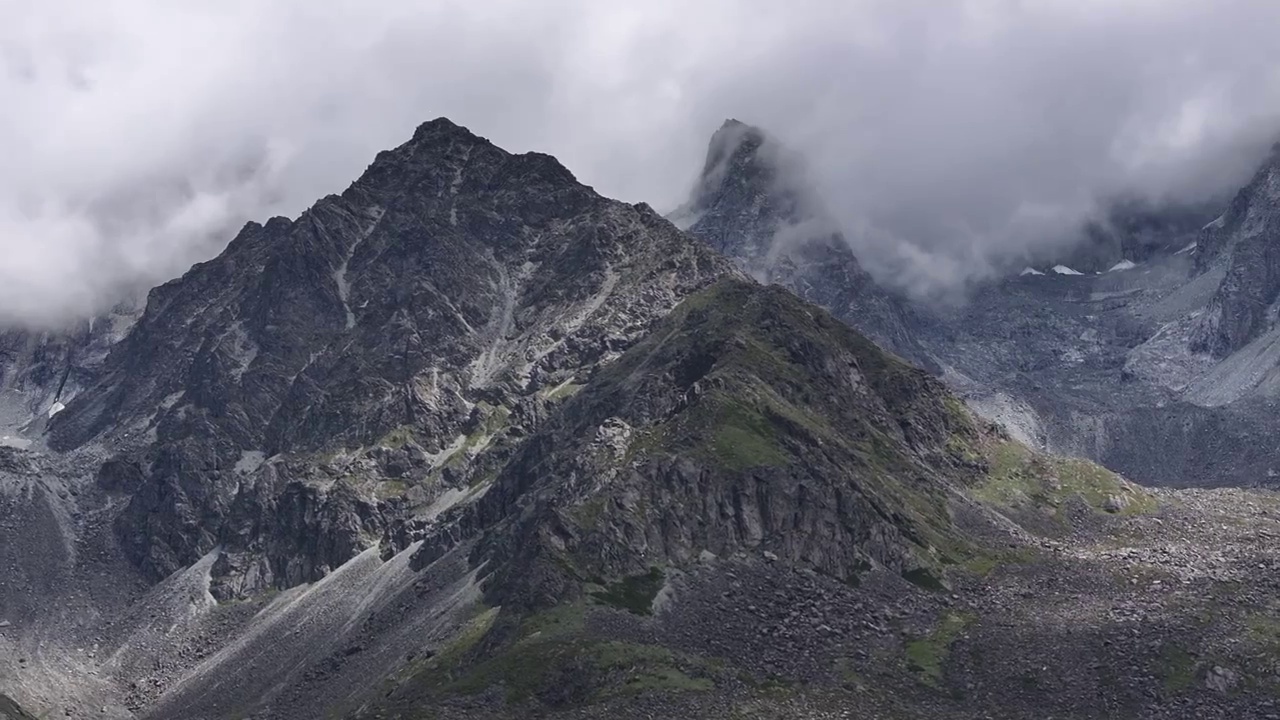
(1247, 240)
(451, 274)
(753, 203)
(747, 421)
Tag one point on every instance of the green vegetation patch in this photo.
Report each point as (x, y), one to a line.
(1177, 668)
(985, 562)
(1020, 478)
(467, 637)
(927, 656)
(397, 438)
(962, 443)
(553, 662)
(495, 419)
(388, 489)
(741, 436)
(634, 594)
(589, 512)
(1262, 629)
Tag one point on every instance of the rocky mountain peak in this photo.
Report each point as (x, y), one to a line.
(747, 189)
(450, 288)
(754, 202)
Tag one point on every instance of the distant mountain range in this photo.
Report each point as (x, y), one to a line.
(469, 440)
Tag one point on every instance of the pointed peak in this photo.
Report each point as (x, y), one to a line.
(738, 150)
(733, 133)
(735, 143)
(442, 127)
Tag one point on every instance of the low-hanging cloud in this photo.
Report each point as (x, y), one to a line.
(946, 136)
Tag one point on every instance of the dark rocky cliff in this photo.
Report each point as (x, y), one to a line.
(753, 203)
(1246, 239)
(451, 282)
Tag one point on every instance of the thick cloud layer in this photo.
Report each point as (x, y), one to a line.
(948, 136)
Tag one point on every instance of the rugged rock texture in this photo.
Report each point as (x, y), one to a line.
(756, 512)
(1247, 240)
(753, 203)
(747, 421)
(451, 274)
(41, 371)
(1117, 365)
(1138, 231)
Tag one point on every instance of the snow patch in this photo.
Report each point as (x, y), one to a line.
(1123, 265)
(56, 408)
(1030, 271)
(1064, 270)
(1190, 247)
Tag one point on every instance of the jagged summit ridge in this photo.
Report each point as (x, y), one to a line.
(754, 202)
(452, 284)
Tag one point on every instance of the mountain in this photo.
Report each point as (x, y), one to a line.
(43, 370)
(1116, 364)
(1246, 240)
(439, 299)
(472, 441)
(754, 203)
(1137, 231)
(9, 710)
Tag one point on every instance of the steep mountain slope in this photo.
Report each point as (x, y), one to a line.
(1165, 370)
(1118, 365)
(746, 420)
(437, 296)
(469, 440)
(753, 203)
(717, 523)
(1137, 231)
(1246, 240)
(41, 371)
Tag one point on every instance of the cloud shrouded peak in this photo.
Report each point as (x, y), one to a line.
(945, 137)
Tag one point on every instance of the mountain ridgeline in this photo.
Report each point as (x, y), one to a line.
(450, 278)
(469, 440)
(753, 202)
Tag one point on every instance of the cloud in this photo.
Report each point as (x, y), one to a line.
(949, 135)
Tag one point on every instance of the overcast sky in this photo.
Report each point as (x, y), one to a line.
(135, 133)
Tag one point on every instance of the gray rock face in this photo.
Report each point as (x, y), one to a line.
(9, 710)
(753, 203)
(748, 421)
(511, 449)
(41, 371)
(1138, 231)
(451, 273)
(1167, 370)
(1246, 239)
